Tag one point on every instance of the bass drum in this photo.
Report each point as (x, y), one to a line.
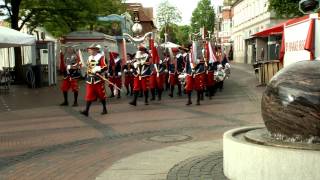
(182, 78)
(219, 75)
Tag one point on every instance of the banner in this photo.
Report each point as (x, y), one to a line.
(295, 41)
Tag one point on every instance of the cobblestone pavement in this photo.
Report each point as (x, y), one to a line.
(208, 167)
(40, 140)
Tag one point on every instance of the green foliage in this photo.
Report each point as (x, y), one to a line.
(60, 16)
(183, 35)
(177, 34)
(285, 8)
(167, 14)
(203, 16)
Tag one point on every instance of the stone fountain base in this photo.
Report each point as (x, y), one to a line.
(249, 154)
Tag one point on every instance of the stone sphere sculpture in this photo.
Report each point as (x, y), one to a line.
(291, 102)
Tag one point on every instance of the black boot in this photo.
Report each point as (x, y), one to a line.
(141, 94)
(119, 94)
(221, 86)
(135, 97)
(210, 92)
(159, 94)
(65, 97)
(146, 96)
(153, 94)
(104, 107)
(214, 90)
(127, 87)
(131, 90)
(112, 92)
(198, 97)
(86, 111)
(75, 95)
(171, 91)
(201, 95)
(189, 99)
(179, 90)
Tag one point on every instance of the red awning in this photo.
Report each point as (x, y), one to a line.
(277, 29)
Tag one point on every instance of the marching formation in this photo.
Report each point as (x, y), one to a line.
(198, 68)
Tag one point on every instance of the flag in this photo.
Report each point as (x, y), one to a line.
(194, 52)
(207, 55)
(212, 57)
(124, 51)
(154, 52)
(309, 46)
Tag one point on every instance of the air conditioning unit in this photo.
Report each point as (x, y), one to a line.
(44, 56)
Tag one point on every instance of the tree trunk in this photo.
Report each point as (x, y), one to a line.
(17, 50)
(19, 77)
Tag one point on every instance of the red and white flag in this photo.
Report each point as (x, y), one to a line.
(310, 42)
(212, 57)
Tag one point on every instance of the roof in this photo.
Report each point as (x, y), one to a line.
(12, 38)
(87, 35)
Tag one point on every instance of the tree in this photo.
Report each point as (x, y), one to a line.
(57, 16)
(167, 15)
(203, 16)
(285, 8)
(183, 35)
(171, 31)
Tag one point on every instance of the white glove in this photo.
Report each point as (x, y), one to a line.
(119, 73)
(135, 65)
(96, 69)
(166, 71)
(160, 62)
(228, 66)
(68, 67)
(131, 70)
(125, 70)
(158, 74)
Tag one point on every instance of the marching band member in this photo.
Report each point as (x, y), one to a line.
(141, 75)
(189, 69)
(128, 74)
(70, 65)
(114, 73)
(172, 68)
(211, 59)
(157, 79)
(94, 80)
(180, 68)
(199, 78)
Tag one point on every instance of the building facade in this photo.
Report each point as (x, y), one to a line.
(224, 28)
(248, 18)
(145, 15)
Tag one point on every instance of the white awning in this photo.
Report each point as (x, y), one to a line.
(12, 38)
(169, 45)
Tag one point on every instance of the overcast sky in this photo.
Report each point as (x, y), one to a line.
(186, 7)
